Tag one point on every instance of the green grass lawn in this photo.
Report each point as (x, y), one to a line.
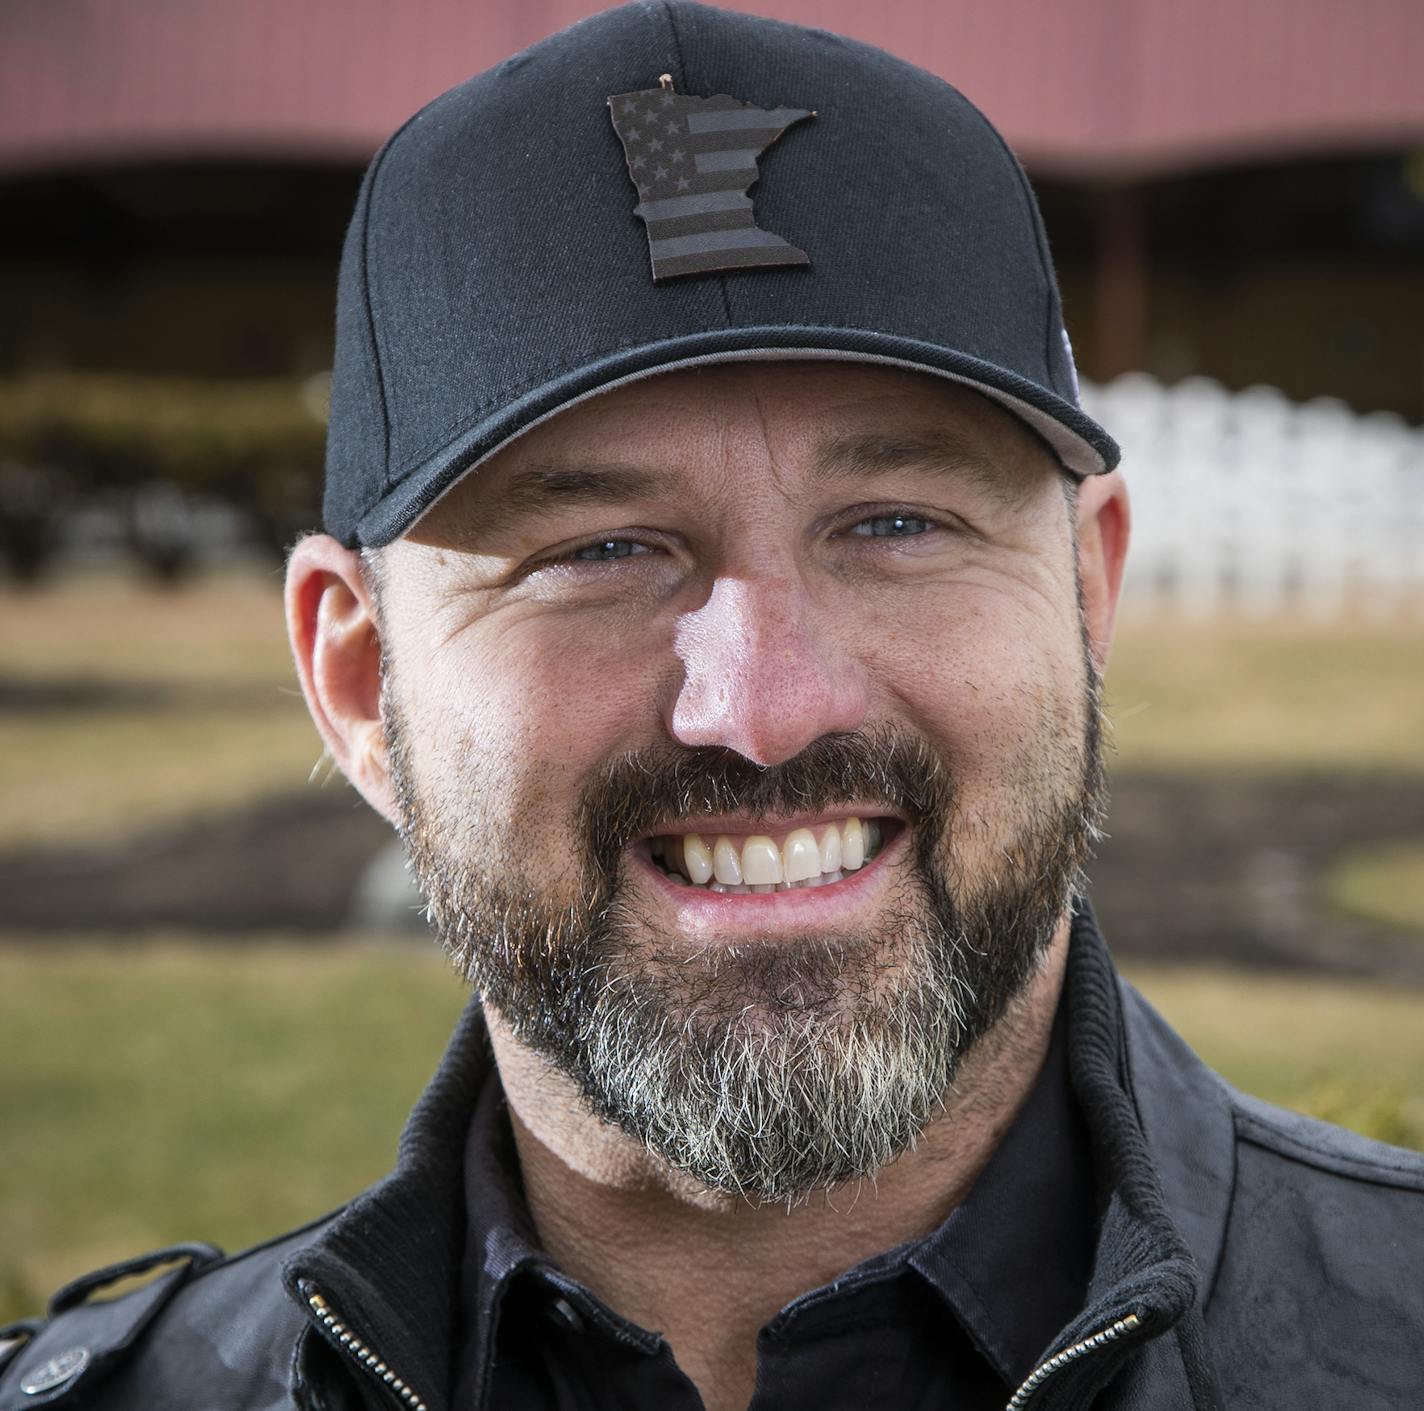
(203, 710)
(174, 1090)
(1267, 696)
(179, 1090)
(1384, 884)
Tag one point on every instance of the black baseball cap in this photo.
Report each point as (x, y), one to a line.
(797, 195)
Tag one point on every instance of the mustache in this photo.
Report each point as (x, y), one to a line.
(649, 790)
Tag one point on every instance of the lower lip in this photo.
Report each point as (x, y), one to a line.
(699, 909)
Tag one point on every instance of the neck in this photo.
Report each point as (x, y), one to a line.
(709, 1270)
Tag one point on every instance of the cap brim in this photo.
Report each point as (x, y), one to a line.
(1080, 444)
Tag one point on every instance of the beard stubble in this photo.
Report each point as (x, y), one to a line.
(774, 1068)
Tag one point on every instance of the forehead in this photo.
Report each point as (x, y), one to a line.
(696, 427)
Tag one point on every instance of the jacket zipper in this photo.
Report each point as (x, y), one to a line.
(342, 1336)
(1069, 1354)
(372, 1363)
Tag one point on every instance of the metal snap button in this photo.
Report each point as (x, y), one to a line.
(57, 1372)
(561, 1310)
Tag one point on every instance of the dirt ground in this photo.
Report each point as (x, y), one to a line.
(1205, 867)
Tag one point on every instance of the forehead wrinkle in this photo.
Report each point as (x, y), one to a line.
(872, 455)
(774, 467)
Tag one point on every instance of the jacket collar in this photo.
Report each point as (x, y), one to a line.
(388, 1267)
(1184, 1112)
(1146, 1281)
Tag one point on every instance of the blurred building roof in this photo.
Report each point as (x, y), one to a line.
(1093, 87)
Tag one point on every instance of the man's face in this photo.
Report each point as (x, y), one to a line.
(808, 616)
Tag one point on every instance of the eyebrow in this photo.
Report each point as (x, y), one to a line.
(543, 489)
(546, 488)
(872, 455)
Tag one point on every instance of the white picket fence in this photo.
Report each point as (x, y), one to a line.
(1249, 502)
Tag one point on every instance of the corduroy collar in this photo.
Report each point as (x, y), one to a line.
(389, 1265)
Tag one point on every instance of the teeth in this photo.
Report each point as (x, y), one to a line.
(761, 862)
(697, 859)
(801, 856)
(852, 845)
(727, 862)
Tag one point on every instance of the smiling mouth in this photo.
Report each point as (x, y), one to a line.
(740, 863)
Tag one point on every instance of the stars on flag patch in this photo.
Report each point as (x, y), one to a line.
(694, 161)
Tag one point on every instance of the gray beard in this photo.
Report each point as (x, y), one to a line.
(769, 1069)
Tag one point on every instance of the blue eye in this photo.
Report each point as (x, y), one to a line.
(608, 549)
(891, 526)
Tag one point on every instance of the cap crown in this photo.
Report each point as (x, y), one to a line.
(495, 268)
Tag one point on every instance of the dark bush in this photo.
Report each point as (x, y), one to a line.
(144, 447)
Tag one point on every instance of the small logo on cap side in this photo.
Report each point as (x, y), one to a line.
(694, 160)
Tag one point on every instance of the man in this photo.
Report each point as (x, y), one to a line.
(715, 596)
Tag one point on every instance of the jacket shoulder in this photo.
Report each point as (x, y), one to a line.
(207, 1323)
(1308, 1237)
(1318, 1299)
(1325, 1148)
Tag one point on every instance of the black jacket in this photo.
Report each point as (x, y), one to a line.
(1247, 1257)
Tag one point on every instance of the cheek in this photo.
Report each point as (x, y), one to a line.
(996, 683)
(515, 741)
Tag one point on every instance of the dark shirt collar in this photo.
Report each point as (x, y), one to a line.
(500, 1238)
(1011, 1262)
(1014, 1258)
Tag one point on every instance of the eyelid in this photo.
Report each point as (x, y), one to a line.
(859, 514)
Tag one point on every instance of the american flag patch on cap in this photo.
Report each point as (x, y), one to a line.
(694, 161)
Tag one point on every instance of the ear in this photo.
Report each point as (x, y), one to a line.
(1104, 525)
(335, 636)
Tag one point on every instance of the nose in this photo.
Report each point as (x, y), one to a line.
(765, 670)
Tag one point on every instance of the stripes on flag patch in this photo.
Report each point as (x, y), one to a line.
(693, 161)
